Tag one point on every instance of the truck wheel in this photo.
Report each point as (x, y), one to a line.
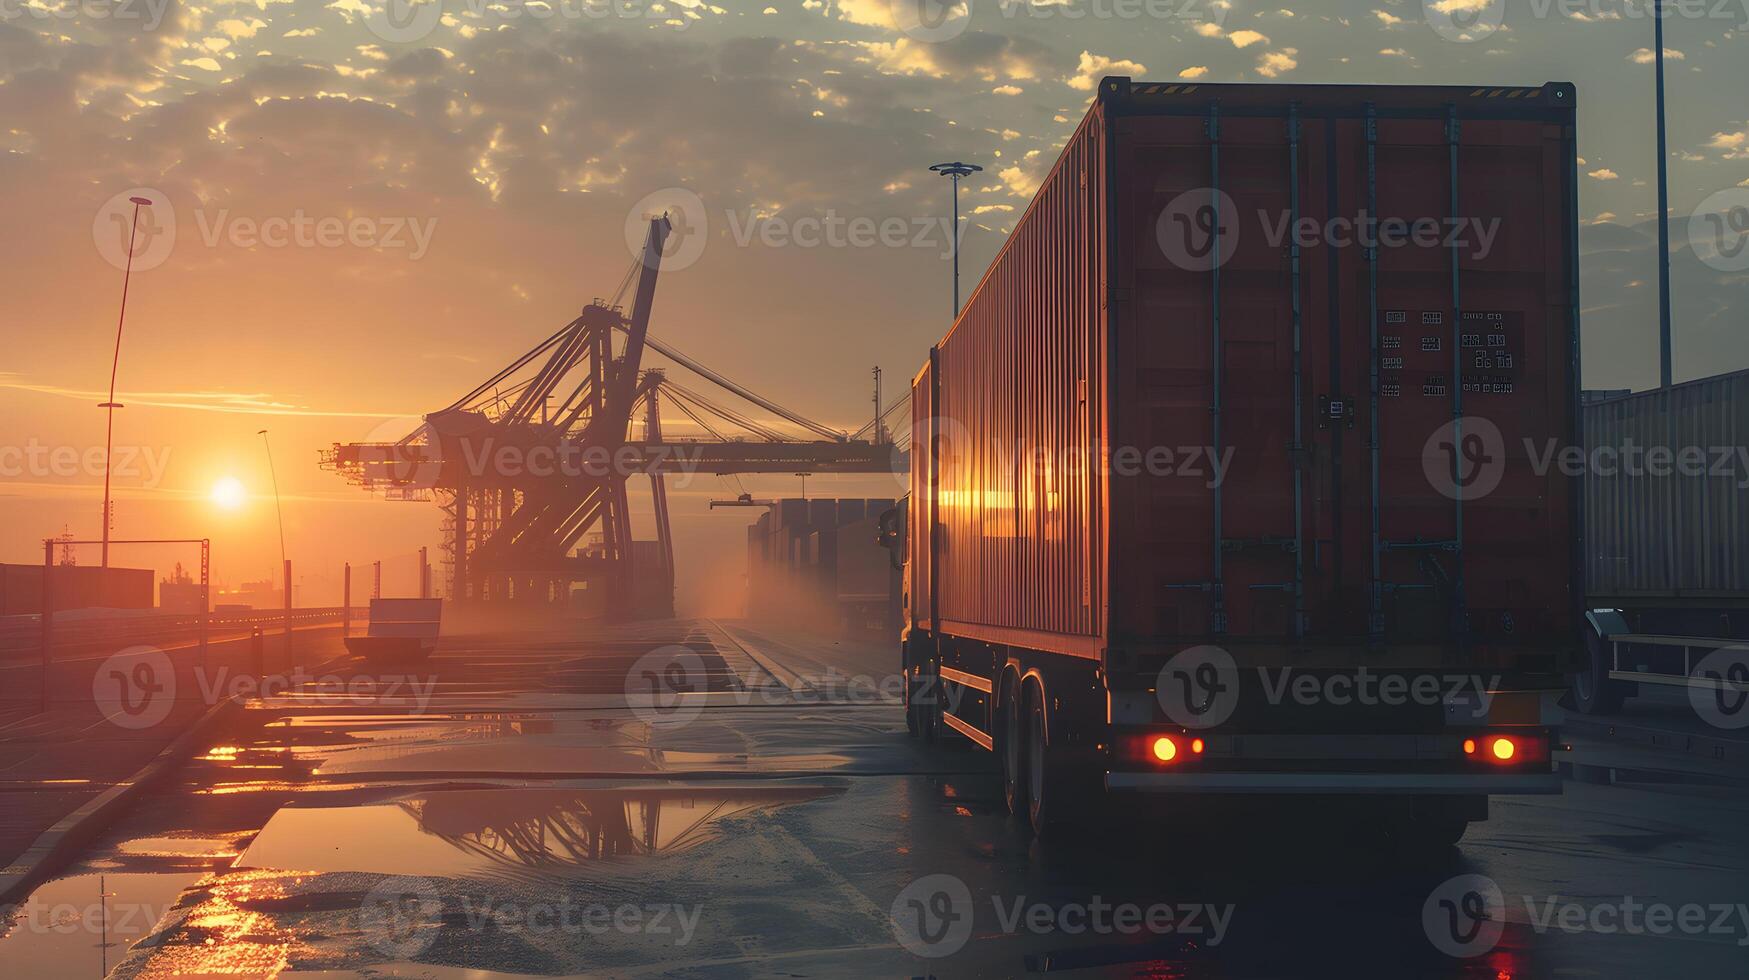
(1044, 802)
(1012, 732)
(1594, 693)
(929, 724)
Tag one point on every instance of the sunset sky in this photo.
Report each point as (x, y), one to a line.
(473, 176)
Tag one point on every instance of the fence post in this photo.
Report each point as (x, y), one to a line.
(346, 601)
(48, 615)
(288, 612)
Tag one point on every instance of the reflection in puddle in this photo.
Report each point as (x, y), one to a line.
(190, 847)
(82, 925)
(456, 833)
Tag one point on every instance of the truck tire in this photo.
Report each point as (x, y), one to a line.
(1011, 734)
(1046, 803)
(1593, 692)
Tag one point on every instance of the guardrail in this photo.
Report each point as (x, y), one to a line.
(25, 634)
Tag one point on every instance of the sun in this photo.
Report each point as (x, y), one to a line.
(228, 493)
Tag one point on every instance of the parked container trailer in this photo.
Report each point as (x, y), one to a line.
(1667, 538)
(1241, 399)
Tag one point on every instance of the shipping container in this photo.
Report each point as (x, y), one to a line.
(1666, 513)
(1259, 368)
(803, 554)
(1666, 537)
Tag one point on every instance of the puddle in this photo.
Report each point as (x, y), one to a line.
(179, 847)
(82, 925)
(462, 833)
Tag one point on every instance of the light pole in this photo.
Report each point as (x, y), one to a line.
(274, 477)
(1663, 205)
(956, 170)
(114, 363)
(284, 564)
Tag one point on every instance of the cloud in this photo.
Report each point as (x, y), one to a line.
(1603, 173)
(1239, 38)
(1387, 18)
(1734, 146)
(975, 54)
(1094, 66)
(237, 29)
(1276, 63)
(1194, 71)
(1644, 56)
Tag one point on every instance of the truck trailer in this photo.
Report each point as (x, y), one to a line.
(1217, 480)
(1667, 533)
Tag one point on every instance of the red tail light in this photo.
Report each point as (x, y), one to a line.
(1164, 748)
(1506, 748)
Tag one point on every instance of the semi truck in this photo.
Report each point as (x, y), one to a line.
(1217, 481)
(1667, 533)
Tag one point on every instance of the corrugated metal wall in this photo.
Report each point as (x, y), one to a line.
(1018, 491)
(1661, 535)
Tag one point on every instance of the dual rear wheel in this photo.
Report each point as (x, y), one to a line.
(1032, 777)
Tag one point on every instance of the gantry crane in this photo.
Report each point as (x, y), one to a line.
(538, 456)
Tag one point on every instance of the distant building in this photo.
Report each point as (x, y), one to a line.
(73, 587)
(254, 595)
(179, 593)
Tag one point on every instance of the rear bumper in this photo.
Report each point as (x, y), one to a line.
(1431, 784)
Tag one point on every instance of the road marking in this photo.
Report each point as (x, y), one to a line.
(791, 680)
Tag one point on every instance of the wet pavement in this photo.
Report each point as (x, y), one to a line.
(517, 806)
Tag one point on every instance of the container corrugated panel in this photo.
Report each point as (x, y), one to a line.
(1677, 528)
(1018, 386)
(1242, 394)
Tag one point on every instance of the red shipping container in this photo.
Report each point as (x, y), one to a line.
(1272, 367)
